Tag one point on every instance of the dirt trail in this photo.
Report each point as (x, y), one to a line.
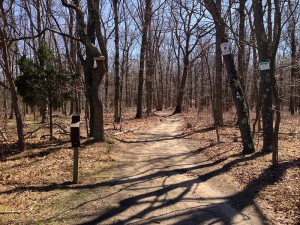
(162, 181)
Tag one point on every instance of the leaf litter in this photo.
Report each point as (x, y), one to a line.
(32, 183)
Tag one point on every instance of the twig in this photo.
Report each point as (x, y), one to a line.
(65, 131)
(3, 135)
(32, 132)
(29, 134)
(10, 212)
(123, 132)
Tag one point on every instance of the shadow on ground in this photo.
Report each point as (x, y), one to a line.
(11, 152)
(240, 201)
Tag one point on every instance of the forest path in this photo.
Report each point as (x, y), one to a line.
(163, 181)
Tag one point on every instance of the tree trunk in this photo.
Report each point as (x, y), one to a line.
(14, 96)
(236, 89)
(11, 113)
(168, 83)
(292, 25)
(98, 129)
(241, 49)
(266, 79)
(278, 117)
(117, 63)
(202, 97)
(88, 81)
(88, 33)
(240, 104)
(190, 83)
(178, 108)
(106, 84)
(145, 24)
(160, 87)
(150, 70)
(218, 95)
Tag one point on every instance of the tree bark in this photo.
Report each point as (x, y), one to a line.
(8, 74)
(218, 94)
(266, 79)
(14, 96)
(241, 50)
(240, 104)
(145, 24)
(236, 89)
(178, 108)
(292, 25)
(93, 78)
(160, 87)
(150, 70)
(117, 63)
(98, 129)
(187, 36)
(267, 49)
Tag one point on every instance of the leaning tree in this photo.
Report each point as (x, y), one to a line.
(235, 85)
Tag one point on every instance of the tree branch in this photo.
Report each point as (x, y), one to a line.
(41, 33)
(72, 6)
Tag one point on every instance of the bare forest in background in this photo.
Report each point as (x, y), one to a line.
(229, 70)
(98, 56)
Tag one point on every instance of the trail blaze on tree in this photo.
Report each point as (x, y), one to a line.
(267, 48)
(89, 32)
(159, 45)
(235, 85)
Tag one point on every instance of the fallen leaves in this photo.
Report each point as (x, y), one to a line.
(30, 181)
(282, 196)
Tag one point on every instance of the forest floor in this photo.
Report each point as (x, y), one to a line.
(156, 170)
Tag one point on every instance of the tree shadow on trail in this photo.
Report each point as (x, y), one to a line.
(155, 138)
(240, 201)
(162, 172)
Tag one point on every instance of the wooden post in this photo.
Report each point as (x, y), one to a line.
(75, 165)
(75, 140)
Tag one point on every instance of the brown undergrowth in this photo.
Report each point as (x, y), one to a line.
(35, 184)
(278, 189)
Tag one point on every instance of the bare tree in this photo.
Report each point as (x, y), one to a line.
(235, 85)
(294, 67)
(218, 95)
(267, 48)
(241, 43)
(5, 45)
(188, 32)
(154, 73)
(117, 115)
(88, 33)
(147, 14)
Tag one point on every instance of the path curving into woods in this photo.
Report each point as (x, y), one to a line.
(163, 180)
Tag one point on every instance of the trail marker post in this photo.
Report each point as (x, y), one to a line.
(75, 140)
